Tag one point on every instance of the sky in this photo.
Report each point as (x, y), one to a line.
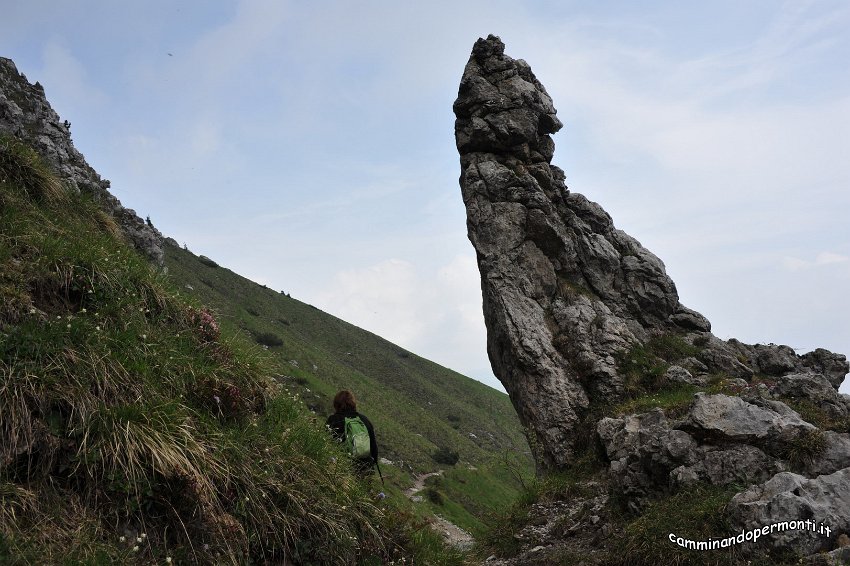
(309, 146)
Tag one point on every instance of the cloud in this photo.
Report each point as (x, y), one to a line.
(823, 258)
(435, 313)
(68, 79)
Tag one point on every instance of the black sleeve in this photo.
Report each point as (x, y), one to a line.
(336, 424)
(373, 444)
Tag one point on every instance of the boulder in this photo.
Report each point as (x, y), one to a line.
(787, 496)
(725, 418)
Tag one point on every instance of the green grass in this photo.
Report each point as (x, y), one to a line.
(644, 365)
(417, 406)
(496, 536)
(812, 413)
(696, 513)
(137, 425)
(674, 401)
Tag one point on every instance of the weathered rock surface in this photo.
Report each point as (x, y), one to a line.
(565, 293)
(567, 298)
(26, 114)
(564, 290)
(825, 500)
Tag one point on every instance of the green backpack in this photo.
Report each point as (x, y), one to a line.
(357, 438)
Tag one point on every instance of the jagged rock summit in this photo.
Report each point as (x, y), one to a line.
(564, 290)
(582, 320)
(26, 114)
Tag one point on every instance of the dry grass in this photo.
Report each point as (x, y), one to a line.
(22, 167)
(124, 411)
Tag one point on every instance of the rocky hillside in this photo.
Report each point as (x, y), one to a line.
(625, 390)
(26, 114)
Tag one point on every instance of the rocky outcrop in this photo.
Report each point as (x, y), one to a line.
(26, 114)
(823, 500)
(565, 293)
(582, 321)
(564, 290)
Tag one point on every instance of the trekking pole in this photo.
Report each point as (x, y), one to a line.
(377, 465)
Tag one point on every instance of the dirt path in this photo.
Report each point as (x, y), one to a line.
(453, 534)
(419, 483)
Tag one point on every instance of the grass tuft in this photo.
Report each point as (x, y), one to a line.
(23, 168)
(697, 513)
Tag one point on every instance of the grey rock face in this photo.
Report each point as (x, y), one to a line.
(733, 419)
(792, 497)
(566, 294)
(564, 290)
(649, 456)
(813, 388)
(26, 114)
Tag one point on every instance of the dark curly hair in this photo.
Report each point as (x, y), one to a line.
(344, 401)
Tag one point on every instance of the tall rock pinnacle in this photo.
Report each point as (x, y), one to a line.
(581, 318)
(565, 293)
(563, 290)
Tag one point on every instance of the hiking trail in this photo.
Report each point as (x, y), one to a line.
(453, 535)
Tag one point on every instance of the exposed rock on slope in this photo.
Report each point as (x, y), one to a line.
(582, 320)
(26, 114)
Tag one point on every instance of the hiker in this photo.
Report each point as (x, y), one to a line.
(347, 425)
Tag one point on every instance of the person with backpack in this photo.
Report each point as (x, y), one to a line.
(355, 430)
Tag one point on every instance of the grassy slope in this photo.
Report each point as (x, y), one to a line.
(133, 429)
(417, 406)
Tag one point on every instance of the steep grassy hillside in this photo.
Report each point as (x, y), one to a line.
(420, 409)
(134, 428)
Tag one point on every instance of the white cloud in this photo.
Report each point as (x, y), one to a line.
(68, 78)
(823, 258)
(436, 314)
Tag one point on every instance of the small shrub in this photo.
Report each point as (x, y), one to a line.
(207, 261)
(806, 447)
(252, 311)
(644, 364)
(671, 347)
(268, 339)
(205, 324)
(643, 370)
(434, 496)
(445, 455)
